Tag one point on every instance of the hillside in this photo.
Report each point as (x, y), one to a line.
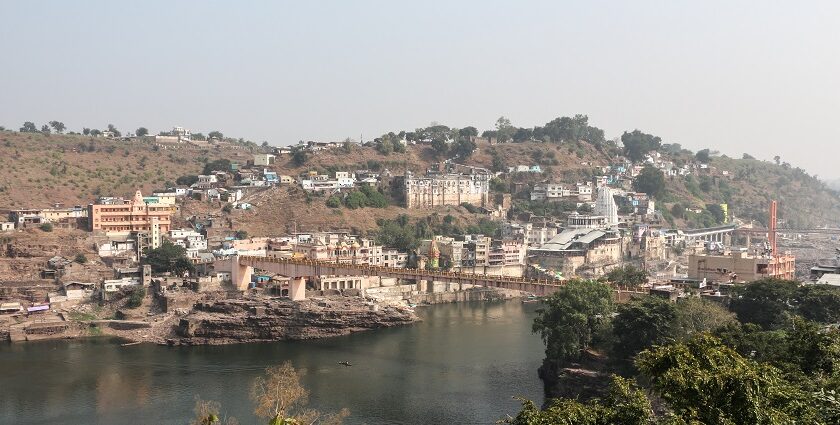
(38, 170)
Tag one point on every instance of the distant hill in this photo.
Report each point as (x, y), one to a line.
(38, 170)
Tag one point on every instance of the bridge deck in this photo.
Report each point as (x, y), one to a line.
(319, 268)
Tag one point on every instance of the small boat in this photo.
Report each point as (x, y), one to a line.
(130, 343)
(348, 364)
(530, 299)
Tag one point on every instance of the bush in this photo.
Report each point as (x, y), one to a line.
(80, 258)
(47, 227)
(334, 202)
(135, 296)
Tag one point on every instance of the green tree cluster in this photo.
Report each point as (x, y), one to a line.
(651, 181)
(637, 144)
(168, 257)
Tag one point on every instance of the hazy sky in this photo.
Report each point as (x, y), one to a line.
(760, 77)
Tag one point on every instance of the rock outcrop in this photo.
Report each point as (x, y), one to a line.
(254, 320)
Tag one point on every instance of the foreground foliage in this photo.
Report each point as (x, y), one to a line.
(778, 363)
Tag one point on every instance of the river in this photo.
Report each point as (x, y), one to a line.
(462, 364)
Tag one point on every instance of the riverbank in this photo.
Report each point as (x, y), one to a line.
(216, 318)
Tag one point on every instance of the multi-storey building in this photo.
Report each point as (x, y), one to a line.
(119, 216)
(447, 189)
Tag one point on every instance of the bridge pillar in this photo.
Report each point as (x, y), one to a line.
(297, 289)
(240, 275)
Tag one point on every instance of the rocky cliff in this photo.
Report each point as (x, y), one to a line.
(255, 320)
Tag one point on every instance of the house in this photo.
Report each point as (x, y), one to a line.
(286, 179)
(7, 226)
(270, 177)
(167, 198)
(78, 290)
(263, 159)
(206, 182)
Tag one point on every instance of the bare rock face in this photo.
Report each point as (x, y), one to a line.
(236, 321)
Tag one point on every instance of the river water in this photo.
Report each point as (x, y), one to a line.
(461, 365)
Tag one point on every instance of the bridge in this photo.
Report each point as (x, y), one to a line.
(710, 234)
(299, 269)
(816, 230)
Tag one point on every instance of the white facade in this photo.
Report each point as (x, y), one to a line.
(605, 206)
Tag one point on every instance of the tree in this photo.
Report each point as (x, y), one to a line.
(46, 227)
(704, 381)
(29, 127)
(678, 210)
(463, 148)
(637, 144)
(819, 303)
(142, 131)
(572, 317)
(468, 131)
(45, 129)
(58, 126)
(504, 130)
(747, 156)
(80, 258)
(86, 131)
(778, 159)
(570, 129)
(696, 315)
(334, 202)
(642, 323)
(281, 399)
(95, 133)
(627, 276)
(114, 130)
(240, 234)
(584, 209)
(624, 404)
(440, 147)
(136, 294)
(216, 135)
(299, 157)
(186, 180)
(651, 181)
(207, 413)
(169, 257)
(703, 156)
(222, 164)
(765, 302)
(355, 199)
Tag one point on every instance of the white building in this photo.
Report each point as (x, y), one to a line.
(605, 206)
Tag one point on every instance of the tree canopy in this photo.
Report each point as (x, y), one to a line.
(572, 317)
(651, 181)
(637, 144)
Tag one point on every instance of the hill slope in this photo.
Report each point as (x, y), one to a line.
(38, 170)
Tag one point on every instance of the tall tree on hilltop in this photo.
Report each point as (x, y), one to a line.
(637, 144)
(58, 126)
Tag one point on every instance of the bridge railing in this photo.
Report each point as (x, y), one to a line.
(373, 269)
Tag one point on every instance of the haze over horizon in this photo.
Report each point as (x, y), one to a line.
(734, 77)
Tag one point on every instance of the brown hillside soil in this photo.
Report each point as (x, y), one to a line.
(280, 210)
(39, 170)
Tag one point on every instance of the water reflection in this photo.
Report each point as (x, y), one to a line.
(462, 364)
